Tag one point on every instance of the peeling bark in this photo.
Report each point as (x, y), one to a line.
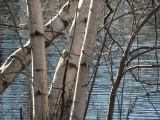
(61, 92)
(79, 101)
(12, 66)
(39, 69)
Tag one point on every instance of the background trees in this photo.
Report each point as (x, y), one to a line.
(137, 75)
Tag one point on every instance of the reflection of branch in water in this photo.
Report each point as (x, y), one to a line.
(13, 107)
(147, 95)
(152, 104)
(143, 96)
(124, 59)
(130, 107)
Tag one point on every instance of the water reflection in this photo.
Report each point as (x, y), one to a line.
(15, 97)
(136, 103)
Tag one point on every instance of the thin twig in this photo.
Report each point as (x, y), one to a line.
(156, 39)
(23, 53)
(123, 61)
(130, 12)
(98, 60)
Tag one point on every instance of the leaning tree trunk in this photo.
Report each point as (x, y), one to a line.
(123, 64)
(39, 72)
(61, 92)
(79, 100)
(15, 63)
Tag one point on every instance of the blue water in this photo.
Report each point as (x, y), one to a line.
(136, 103)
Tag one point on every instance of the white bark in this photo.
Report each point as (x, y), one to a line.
(72, 49)
(79, 100)
(15, 63)
(39, 74)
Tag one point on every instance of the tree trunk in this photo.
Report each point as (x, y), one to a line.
(123, 62)
(61, 92)
(15, 63)
(39, 74)
(85, 62)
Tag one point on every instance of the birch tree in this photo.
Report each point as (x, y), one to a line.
(85, 61)
(39, 74)
(61, 92)
(74, 60)
(15, 63)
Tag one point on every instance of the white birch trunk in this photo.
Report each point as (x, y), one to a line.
(15, 62)
(72, 49)
(79, 101)
(39, 74)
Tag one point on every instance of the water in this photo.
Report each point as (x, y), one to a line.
(138, 102)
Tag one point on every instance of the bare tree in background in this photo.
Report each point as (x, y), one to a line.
(118, 55)
(124, 62)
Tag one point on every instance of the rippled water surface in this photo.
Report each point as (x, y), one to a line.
(138, 102)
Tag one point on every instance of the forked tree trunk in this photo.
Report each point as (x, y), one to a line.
(15, 63)
(81, 87)
(61, 92)
(39, 74)
(123, 62)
